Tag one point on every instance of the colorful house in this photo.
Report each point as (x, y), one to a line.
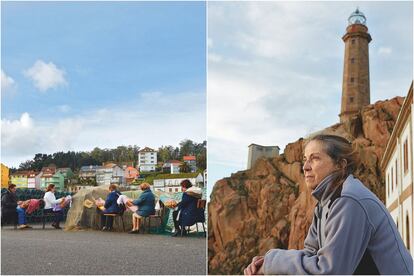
(131, 174)
(51, 176)
(19, 179)
(4, 176)
(191, 162)
(67, 174)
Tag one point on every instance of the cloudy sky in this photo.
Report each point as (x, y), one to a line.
(275, 70)
(79, 75)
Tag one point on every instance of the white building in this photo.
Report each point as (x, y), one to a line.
(172, 185)
(110, 174)
(258, 151)
(147, 160)
(171, 166)
(398, 168)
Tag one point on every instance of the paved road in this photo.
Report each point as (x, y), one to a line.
(53, 251)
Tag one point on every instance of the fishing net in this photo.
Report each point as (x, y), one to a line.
(83, 212)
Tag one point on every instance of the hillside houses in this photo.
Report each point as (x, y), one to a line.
(166, 176)
(170, 183)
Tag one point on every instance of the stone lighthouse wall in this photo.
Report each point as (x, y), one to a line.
(355, 85)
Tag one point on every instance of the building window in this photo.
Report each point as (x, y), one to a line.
(396, 173)
(407, 232)
(170, 190)
(352, 41)
(352, 79)
(351, 99)
(176, 189)
(388, 185)
(352, 60)
(405, 156)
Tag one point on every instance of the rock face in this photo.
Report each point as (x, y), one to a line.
(269, 205)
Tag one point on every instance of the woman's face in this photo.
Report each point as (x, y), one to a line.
(317, 164)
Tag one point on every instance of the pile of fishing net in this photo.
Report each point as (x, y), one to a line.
(83, 213)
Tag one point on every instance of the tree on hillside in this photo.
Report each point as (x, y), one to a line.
(165, 153)
(185, 168)
(186, 148)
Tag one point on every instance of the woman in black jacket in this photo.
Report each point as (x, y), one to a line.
(8, 205)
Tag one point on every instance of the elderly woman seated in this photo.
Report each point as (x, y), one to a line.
(109, 208)
(146, 207)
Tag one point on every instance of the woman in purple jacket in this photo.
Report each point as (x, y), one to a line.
(351, 232)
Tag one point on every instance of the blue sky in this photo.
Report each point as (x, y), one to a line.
(76, 75)
(275, 70)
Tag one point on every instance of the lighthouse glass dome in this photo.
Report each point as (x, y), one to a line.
(357, 17)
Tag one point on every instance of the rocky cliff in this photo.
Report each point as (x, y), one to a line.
(269, 206)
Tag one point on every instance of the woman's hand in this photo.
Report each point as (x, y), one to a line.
(256, 266)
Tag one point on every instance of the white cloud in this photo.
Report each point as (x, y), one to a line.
(46, 76)
(153, 119)
(384, 51)
(209, 42)
(214, 57)
(6, 81)
(275, 74)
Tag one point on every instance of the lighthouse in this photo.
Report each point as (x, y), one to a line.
(355, 83)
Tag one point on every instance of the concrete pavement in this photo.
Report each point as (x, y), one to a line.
(51, 251)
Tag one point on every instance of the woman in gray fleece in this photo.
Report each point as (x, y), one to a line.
(351, 232)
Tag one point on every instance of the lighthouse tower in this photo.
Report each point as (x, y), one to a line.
(355, 84)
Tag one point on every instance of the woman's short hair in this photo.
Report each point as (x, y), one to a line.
(50, 187)
(338, 149)
(186, 184)
(113, 187)
(144, 186)
(11, 186)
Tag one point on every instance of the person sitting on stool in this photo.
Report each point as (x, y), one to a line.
(111, 207)
(187, 208)
(50, 201)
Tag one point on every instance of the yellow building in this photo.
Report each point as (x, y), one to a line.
(4, 176)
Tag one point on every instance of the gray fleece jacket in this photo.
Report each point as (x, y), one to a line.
(351, 233)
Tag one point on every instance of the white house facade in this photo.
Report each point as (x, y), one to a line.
(397, 164)
(172, 185)
(147, 160)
